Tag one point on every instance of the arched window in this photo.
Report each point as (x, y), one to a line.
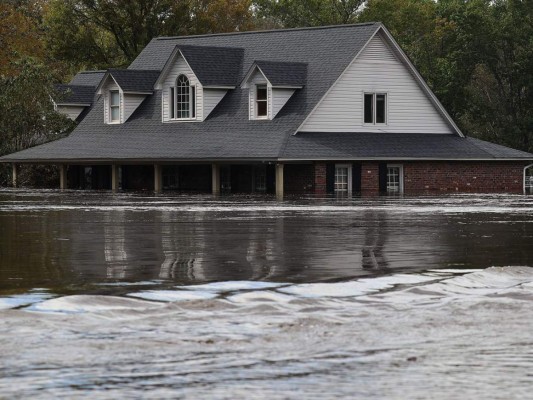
(183, 99)
(528, 179)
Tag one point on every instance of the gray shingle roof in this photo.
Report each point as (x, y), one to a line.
(131, 80)
(214, 66)
(284, 73)
(228, 133)
(75, 94)
(88, 78)
(312, 146)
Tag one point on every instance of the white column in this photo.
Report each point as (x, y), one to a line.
(279, 181)
(114, 178)
(158, 178)
(215, 179)
(15, 175)
(63, 176)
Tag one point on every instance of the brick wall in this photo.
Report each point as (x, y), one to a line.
(441, 177)
(465, 177)
(369, 178)
(300, 178)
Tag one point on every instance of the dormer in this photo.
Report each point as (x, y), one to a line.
(123, 91)
(73, 100)
(271, 84)
(195, 79)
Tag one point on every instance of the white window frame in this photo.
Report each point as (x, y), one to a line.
(256, 101)
(349, 177)
(112, 106)
(374, 108)
(173, 104)
(401, 185)
(528, 186)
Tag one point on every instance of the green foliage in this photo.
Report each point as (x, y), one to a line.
(27, 115)
(299, 13)
(104, 33)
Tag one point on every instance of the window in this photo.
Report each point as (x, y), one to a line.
(528, 179)
(261, 101)
(343, 178)
(394, 178)
(375, 108)
(182, 99)
(114, 106)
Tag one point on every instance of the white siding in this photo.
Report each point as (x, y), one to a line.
(377, 70)
(179, 67)
(280, 97)
(70, 111)
(211, 98)
(131, 102)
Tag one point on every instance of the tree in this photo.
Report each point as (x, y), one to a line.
(27, 115)
(501, 89)
(107, 33)
(20, 32)
(298, 13)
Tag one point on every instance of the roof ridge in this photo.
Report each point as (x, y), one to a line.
(269, 31)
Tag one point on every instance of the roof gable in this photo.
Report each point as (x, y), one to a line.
(213, 66)
(380, 67)
(131, 81)
(279, 74)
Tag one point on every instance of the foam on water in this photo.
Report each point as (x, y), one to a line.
(173, 295)
(396, 336)
(90, 304)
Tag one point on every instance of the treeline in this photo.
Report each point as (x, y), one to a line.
(476, 55)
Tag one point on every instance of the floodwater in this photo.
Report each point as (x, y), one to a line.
(127, 296)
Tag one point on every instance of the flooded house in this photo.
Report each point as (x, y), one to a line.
(323, 110)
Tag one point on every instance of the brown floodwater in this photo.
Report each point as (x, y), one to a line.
(175, 296)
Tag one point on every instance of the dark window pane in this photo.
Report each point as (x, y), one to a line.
(380, 108)
(261, 108)
(369, 112)
(261, 93)
(193, 101)
(172, 104)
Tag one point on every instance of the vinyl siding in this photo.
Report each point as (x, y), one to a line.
(211, 98)
(131, 102)
(377, 70)
(280, 97)
(70, 111)
(181, 67)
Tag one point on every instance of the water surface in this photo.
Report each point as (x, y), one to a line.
(130, 295)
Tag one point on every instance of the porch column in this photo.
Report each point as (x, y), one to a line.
(15, 175)
(63, 176)
(158, 178)
(215, 179)
(114, 177)
(279, 181)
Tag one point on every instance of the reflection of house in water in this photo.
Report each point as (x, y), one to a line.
(376, 234)
(183, 245)
(116, 256)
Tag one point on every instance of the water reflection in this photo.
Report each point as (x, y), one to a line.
(70, 241)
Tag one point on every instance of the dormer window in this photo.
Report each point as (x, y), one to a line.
(114, 106)
(261, 100)
(183, 99)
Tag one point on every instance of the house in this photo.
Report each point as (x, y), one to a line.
(337, 109)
